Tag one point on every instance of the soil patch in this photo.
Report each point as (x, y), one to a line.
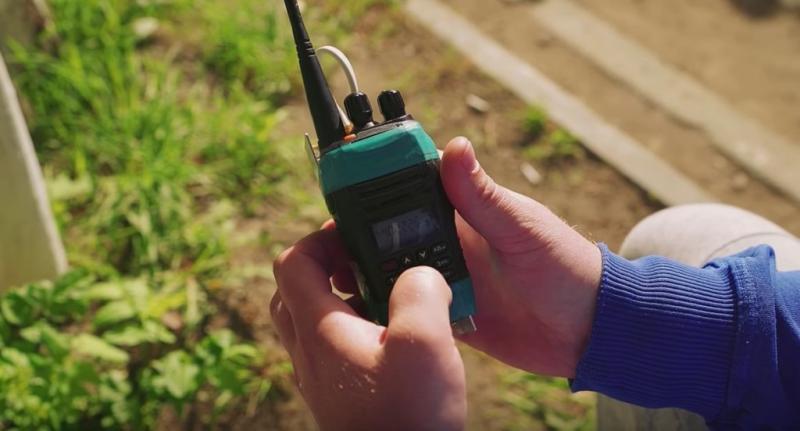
(687, 149)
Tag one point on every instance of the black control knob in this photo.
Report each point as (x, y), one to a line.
(359, 109)
(393, 107)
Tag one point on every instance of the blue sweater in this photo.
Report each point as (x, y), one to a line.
(722, 341)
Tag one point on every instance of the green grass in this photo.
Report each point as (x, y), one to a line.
(547, 402)
(151, 149)
(534, 121)
(80, 353)
(545, 143)
(242, 55)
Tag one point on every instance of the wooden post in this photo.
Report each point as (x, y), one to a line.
(30, 247)
(20, 20)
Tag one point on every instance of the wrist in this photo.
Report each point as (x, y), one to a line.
(587, 276)
(590, 278)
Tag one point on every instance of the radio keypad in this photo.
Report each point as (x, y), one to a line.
(448, 274)
(436, 256)
(407, 261)
(442, 262)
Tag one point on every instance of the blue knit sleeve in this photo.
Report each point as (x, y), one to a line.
(722, 341)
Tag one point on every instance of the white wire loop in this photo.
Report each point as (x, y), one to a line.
(350, 73)
(345, 63)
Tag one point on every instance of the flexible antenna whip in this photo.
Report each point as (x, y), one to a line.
(324, 111)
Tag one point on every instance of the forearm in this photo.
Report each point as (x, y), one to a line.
(669, 335)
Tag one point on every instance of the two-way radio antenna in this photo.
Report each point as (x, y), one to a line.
(324, 111)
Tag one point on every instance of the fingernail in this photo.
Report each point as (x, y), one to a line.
(469, 161)
(422, 271)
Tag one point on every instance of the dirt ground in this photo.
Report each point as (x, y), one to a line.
(686, 148)
(751, 60)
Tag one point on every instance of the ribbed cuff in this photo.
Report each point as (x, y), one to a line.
(663, 335)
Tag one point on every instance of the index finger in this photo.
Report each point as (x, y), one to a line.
(303, 274)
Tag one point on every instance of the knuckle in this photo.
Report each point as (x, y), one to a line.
(278, 263)
(325, 329)
(274, 305)
(328, 224)
(488, 191)
(284, 261)
(421, 343)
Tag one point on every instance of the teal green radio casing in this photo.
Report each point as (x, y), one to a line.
(384, 190)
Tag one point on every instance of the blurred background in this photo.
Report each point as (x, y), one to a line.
(169, 135)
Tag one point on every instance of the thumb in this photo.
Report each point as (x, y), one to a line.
(498, 214)
(419, 306)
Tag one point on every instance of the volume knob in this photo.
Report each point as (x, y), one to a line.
(359, 109)
(392, 105)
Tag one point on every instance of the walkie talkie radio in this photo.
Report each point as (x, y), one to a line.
(382, 186)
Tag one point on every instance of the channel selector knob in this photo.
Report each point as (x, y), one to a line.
(392, 105)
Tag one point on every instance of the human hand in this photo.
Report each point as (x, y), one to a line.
(353, 373)
(535, 278)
